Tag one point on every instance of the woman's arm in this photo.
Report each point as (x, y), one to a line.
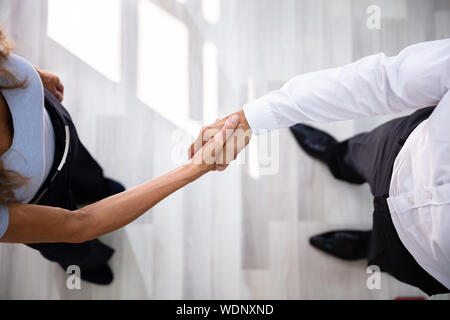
(34, 223)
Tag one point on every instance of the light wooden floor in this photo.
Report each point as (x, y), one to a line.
(232, 235)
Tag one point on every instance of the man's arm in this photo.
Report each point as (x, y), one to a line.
(377, 85)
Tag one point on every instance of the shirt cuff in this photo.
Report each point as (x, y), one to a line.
(260, 116)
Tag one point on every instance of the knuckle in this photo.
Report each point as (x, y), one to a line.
(203, 131)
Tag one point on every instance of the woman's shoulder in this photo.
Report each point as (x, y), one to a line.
(21, 68)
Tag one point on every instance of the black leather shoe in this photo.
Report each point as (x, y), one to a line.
(314, 142)
(344, 244)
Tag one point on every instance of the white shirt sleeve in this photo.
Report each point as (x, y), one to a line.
(418, 77)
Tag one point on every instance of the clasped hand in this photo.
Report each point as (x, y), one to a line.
(219, 143)
(52, 83)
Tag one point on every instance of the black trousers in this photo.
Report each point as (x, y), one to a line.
(80, 180)
(370, 158)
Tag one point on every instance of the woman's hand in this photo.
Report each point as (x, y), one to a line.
(213, 154)
(52, 83)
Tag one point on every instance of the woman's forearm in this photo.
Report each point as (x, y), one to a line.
(41, 224)
(117, 211)
(36, 223)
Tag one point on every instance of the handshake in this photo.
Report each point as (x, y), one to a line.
(219, 143)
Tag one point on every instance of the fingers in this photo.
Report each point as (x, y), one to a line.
(58, 96)
(233, 147)
(56, 92)
(60, 87)
(60, 92)
(205, 135)
(226, 133)
(52, 83)
(228, 128)
(213, 149)
(191, 151)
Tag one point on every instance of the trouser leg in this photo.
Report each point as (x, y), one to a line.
(364, 158)
(87, 255)
(341, 160)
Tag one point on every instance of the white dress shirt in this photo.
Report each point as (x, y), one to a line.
(418, 77)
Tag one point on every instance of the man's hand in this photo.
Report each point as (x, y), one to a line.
(52, 83)
(238, 141)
